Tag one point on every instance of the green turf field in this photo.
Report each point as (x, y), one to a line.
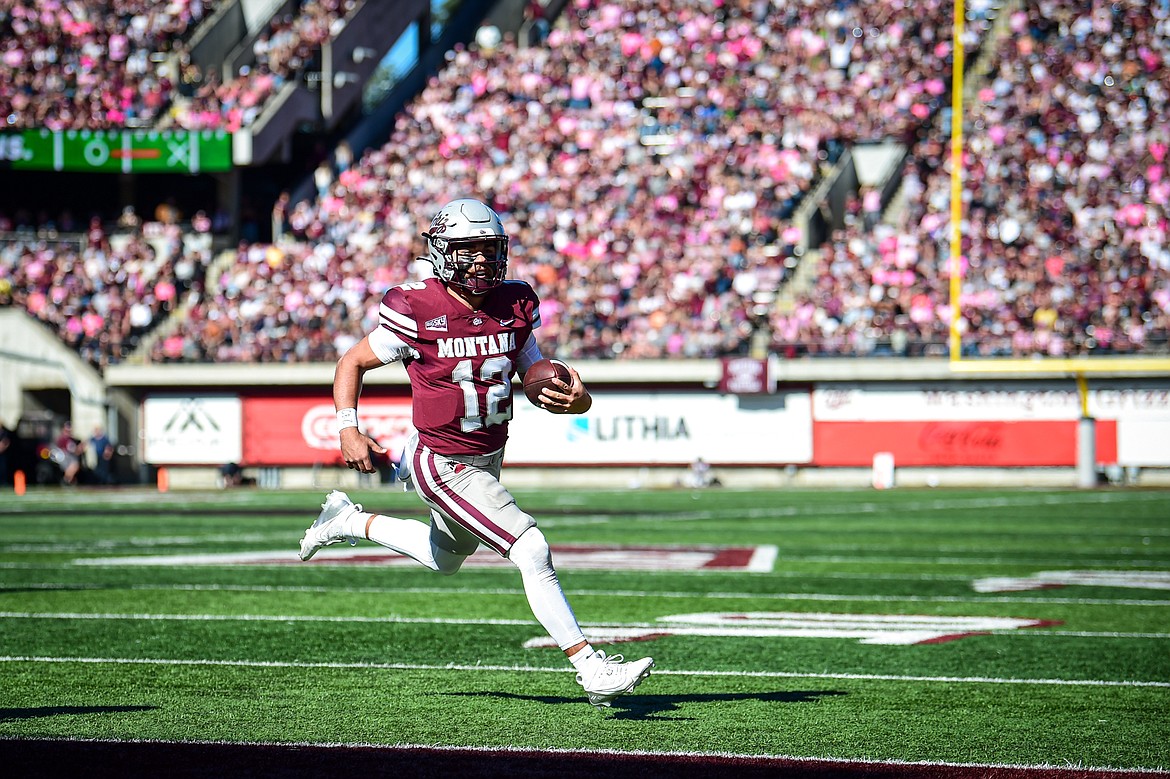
(976, 627)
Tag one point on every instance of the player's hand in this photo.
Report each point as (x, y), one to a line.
(572, 399)
(356, 447)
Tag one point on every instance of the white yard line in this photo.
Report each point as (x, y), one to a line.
(562, 670)
(752, 596)
(1143, 563)
(396, 620)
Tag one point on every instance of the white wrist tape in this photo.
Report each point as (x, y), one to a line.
(346, 417)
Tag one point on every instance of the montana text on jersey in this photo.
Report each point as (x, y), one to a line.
(463, 361)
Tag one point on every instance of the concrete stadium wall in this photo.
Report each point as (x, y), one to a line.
(32, 359)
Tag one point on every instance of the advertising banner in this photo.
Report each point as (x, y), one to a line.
(667, 428)
(960, 443)
(989, 400)
(621, 428)
(302, 430)
(118, 151)
(191, 430)
(1000, 423)
(993, 423)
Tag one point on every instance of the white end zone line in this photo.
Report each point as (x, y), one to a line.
(561, 670)
(535, 751)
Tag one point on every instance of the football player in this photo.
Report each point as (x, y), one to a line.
(462, 335)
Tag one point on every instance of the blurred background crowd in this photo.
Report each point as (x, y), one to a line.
(650, 161)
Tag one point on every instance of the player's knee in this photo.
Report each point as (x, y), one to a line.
(531, 552)
(447, 563)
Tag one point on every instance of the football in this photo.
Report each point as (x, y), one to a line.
(541, 375)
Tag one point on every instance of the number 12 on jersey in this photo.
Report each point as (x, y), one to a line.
(494, 373)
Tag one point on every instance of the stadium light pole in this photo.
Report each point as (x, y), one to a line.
(957, 66)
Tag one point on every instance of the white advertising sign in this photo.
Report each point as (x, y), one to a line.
(1143, 441)
(192, 430)
(667, 428)
(988, 401)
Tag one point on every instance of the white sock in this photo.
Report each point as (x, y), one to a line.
(584, 660)
(405, 536)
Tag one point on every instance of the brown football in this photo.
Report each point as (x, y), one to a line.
(541, 375)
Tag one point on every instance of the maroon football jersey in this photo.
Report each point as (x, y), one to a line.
(461, 381)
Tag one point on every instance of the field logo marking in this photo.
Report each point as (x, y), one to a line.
(1145, 580)
(754, 559)
(886, 630)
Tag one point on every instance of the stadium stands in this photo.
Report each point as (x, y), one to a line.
(1066, 195)
(103, 292)
(282, 51)
(647, 164)
(648, 161)
(89, 65)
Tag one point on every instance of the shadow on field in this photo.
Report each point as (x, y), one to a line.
(13, 715)
(637, 706)
(100, 759)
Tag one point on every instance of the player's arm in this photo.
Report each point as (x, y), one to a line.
(574, 397)
(376, 349)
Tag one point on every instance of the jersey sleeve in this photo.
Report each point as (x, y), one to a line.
(527, 301)
(396, 315)
(397, 331)
(534, 302)
(388, 346)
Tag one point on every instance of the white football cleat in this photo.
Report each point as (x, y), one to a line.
(613, 677)
(329, 525)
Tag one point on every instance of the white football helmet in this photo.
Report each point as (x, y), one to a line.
(462, 232)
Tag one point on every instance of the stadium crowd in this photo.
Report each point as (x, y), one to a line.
(1067, 206)
(648, 157)
(103, 292)
(89, 65)
(287, 45)
(96, 64)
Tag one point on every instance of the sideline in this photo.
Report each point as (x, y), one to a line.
(218, 759)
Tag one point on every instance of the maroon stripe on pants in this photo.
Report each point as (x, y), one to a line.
(454, 506)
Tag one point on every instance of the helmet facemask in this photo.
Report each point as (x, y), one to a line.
(466, 270)
(468, 247)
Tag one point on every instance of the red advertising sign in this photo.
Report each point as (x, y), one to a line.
(302, 430)
(915, 443)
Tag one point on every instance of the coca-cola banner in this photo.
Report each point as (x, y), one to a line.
(1003, 423)
(302, 430)
(987, 443)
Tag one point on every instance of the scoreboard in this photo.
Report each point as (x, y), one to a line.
(117, 151)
